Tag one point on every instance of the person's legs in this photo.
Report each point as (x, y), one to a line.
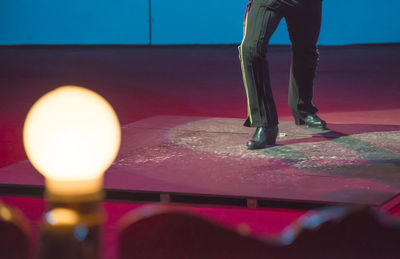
(303, 24)
(260, 24)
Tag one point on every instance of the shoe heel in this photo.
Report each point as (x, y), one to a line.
(272, 135)
(271, 142)
(299, 121)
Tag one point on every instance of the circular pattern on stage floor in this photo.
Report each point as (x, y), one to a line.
(300, 147)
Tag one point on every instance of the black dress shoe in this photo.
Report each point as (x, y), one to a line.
(262, 137)
(312, 121)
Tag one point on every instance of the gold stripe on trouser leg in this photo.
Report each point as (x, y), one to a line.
(243, 70)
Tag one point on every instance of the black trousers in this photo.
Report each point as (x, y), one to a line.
(303, 18)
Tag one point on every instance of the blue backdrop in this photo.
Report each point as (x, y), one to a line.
(180, 22)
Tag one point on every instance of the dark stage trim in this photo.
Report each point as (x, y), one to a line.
(34, 191)
(114, 195)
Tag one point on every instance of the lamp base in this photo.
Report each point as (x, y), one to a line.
(71, 227)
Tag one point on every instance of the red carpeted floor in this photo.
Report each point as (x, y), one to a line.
(354, 84)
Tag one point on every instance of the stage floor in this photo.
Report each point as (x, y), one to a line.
(349, 163)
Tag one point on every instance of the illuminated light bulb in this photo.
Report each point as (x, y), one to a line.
(71, 136)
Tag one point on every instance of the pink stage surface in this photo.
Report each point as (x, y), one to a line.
(206, 156)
